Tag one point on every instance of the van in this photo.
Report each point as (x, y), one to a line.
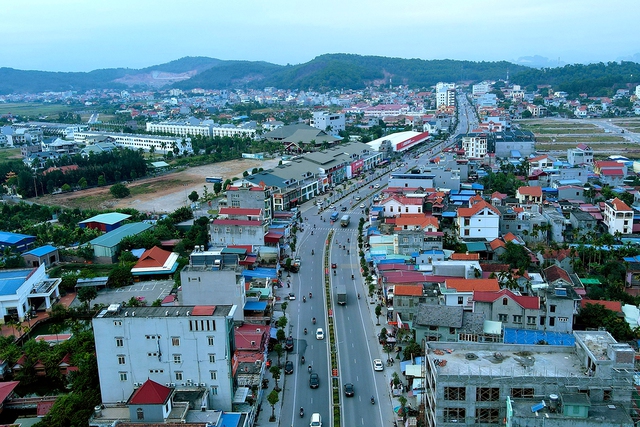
(334, 216)
(316, 420)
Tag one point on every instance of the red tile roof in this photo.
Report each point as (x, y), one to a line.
(6, 388)
(467, 285)
(619, 205)
(408, 290)
(469, 212)
(219, 221)
(239, 211)
(203, 310)
(154, 257)
(527, 302)
(609, 305)
(465, 257)
(611, 172)
(150, 393)
(554, 273)
(530, 191)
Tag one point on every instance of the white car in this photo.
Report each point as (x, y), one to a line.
(320, 334)
(377, 365)
(361, 205)
(376, 186)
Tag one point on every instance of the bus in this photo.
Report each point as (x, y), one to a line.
(213, 179)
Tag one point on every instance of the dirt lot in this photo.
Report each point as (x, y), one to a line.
(159, 194)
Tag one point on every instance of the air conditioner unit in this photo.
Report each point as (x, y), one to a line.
(203, 408)
(203, 384)
(167, 384)
(173, 385)
(183, 384)
(189, 382)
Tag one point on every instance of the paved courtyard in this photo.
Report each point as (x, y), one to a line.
(150, 291)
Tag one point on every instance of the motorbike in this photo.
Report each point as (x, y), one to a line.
(334, 272)
(347, 251)
(301, 412)
(302, 360)
(304, 299)
(309, 368)
(358, 296)
(314, 320)
(312, 252)
(373, 401)
(310, 295)
(353, 277)
(305, 331)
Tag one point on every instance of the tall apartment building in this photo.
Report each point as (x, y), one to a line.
(588, 384)
(475, 146)
(480, 89)
(445, 94)
(331, 122)
(183, 347)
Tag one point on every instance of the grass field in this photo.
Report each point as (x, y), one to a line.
(610, 147)
(9, 154)
(35, 110)
(577, 139)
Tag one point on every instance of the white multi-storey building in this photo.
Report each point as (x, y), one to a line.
(331, 122)
(618, 217)
(184, 347)
(445, 94)
(162, 144)
(232, 131)
(475, 146)
(182, 129)
(480, 220)
(480, 89)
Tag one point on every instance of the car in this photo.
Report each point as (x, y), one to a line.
(332, 206)
(358, 198)
(376, 186)
(297, 262)
(348, 390)
(316, 420)
(343, 209)
(288, 344)
(319, 334)
(314, 380)
(377, 365)
(288, 367)
(291, 296)
(361, 205)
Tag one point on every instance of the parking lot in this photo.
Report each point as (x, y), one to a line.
(146, 291)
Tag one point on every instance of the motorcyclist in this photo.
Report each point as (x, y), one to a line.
(372, 400)
(312, 232)
(302, 360)
(314, 320)
(358, 295)
(305, 331)
(301, 411)
(304, 299)
(312, 252)
(310, 295)
(353, 277)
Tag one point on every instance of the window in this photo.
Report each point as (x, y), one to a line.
(212, 358)
(517, 319)
(487, 416)
(177, 358)
(460, 300)
(454, 415)
(503, 317)
(466, 232)
(123, 376)
(552, 321)
(607, 395)
(117, 323)
(210, 340)
(563, 319)
(214, 390)
(119, 342)
(505, 301)
(175, 341)
(140, 413)
(121, 359)
(452, 331)
(487, 394)
(455, 393)
(552, 308)
(213, 375)
(522, 392)
(531, 320)
(178, 375)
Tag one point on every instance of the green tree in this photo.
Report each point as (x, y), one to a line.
(65, 188)
(516, 256)
(102, 181)
(275, 372)
(273, 398)
(217, 187)
(86, 294)
(596, 316)
(378, 312)
(194, 196)
(119, 191)
(412, 349)
(120, 276)
(83, 182)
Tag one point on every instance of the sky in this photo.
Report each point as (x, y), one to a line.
(84, 35)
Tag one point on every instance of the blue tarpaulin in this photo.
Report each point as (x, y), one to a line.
(255, 305)
(261, 273)
(525, 336)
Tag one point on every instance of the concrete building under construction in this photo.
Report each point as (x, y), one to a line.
(589, 384)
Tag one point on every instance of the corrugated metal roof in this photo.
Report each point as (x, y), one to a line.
(114, 237)
(107, 218)
(41, 251)
(13, 238)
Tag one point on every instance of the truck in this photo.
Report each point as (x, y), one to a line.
(344, 221)
(341, 292)
(334, 216)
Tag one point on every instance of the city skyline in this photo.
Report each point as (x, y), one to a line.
(71, 35)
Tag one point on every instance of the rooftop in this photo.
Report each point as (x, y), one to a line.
(115, 311)
(107, 218)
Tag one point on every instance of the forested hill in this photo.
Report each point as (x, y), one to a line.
(593, 79)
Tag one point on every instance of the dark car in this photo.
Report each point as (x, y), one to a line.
(343, 209)
(288, 367)
(314, 380)
(348, 390)
(288, 344)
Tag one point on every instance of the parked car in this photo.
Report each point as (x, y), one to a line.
(314, 380)
(377, 365)
(288, 344)
(291, 296)
(349, 390)
(288, 367)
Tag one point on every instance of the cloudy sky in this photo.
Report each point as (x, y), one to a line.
(83, 35)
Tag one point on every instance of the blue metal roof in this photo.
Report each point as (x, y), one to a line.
(41, 251)
(261, 272)
(11, 280)
(114, 237)
(255, 305)
(549, 190)
(476, 246)
(477, 186)
(449, 214)
(13, 238)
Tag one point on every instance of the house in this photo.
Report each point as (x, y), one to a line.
(581, 155)
(540, 162)
(151, 402)
(582, 223)
(26, 289)
(511, 309)
(481, 220)
(105, 222)
(6, 391)
(459, 292)
(444, 323)
(618, 217)
(16, 241)
(529, 195)
(187, 346)
(396, 205)
(406, 299)
(155, 264)
(47, 255)
(105, 247)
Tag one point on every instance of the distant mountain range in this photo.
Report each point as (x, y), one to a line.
(325, 72)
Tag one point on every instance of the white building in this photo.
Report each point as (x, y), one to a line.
(182, 129)
(618, 217)
(480, 89)
(638, 91)
(24, 289)
(481, 220)
(184, 347)
(475, 146)
(162, 144)
(445, 94)
(581, 155)
(330, 122)
(232, 131)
